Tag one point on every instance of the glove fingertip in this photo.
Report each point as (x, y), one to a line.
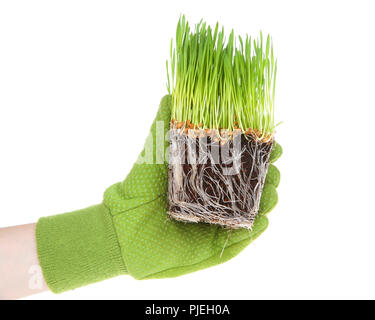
(273, 176)
(164, 112)
(260, 224)
(163, 115)
(268, 200)
(276, 153)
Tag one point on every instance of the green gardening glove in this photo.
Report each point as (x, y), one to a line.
(129, 233)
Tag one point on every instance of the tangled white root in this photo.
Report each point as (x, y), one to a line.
(215, 177)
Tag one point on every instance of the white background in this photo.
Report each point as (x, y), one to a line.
(80, 82)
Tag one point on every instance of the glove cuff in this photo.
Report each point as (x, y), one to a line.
(78, 248)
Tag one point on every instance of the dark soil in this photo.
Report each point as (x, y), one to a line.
(254, 156)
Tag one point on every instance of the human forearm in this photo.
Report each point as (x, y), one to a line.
(20, 273)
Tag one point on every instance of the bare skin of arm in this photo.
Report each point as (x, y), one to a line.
(20, 273)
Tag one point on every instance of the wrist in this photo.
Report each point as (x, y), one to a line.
(78, 248)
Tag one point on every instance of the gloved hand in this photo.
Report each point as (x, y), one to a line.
(129, 233)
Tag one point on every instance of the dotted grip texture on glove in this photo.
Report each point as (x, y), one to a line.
(129, 233)
(154, 246)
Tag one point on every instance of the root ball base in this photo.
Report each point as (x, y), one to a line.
(216, 180)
